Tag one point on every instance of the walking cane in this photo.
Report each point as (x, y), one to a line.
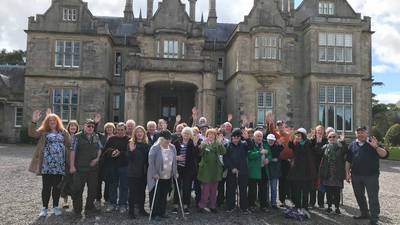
(179, 195)
(237, 190)
(154, 197)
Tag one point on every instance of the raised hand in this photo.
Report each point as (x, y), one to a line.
(269, 117)
(178, 119)
(48, 111)
(36, 116)
(373, 142)
(245, 134)
(132, 146)
(342, 136)
(230, 116)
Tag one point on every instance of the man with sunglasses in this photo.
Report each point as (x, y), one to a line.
(362, 168)
(85, 155)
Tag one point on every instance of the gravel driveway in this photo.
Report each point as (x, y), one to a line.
(20, 200)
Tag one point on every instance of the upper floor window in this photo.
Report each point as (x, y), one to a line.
(336, 107)
(70, 14)
(265, 103)
(19, 116)
(67, 53)
(335, 47)
(326, 8)
(171, 49)
(220, 75)
(116, 102)
(268, 47)
(118, 64)
(65, 103)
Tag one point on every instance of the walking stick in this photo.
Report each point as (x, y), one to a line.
(152, 204)
(179, 195)
(237, 190)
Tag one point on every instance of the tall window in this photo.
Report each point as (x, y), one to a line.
(116, 102)
(265, 104)
(171, 49)
(220, 75)
(70, 14)
(67, 54)
(65, 103)
(220, 111)
(118, 64)
(335, 47)
(336, 107)
(19, 116)
(326, 8)
(268, 47)
(183, 50)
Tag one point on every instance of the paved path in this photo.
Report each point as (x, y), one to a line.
(20, 200)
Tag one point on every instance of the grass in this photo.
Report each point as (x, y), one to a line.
(394, 153)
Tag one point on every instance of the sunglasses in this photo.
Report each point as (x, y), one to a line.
(90, 126)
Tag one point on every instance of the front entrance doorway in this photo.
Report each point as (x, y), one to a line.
(169, 110)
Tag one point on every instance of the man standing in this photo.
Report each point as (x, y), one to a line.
(130, 126)
(362, 168)
(152, 135)
(85, 155)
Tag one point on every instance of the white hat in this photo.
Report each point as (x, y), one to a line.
(271, 137)
(302, 130)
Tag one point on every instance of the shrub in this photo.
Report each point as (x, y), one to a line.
(392, 137)
(24, 137)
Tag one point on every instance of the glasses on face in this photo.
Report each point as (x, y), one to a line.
(235, 136)
(90, 126)
(331, 137)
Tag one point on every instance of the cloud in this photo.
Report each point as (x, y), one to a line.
(382, 68)
(386, 98)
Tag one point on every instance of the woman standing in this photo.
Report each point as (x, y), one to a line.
(187, 154)
(137, 154)
(210, 170)
(162, 168)
(332, 170)
(50, 158)
(302, 170)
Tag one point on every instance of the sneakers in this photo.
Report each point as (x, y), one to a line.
(337, 211)
(204, 210)
(57, 211)
(186, 211)
(43, 212)
(122, 209)
(65, 205)
(175, 210)
(110, 208)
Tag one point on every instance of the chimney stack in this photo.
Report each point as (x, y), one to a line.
(150, 9)
(212, 14)
(128, 12)
(193, 9)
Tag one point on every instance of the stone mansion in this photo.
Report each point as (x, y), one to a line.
(308, 65)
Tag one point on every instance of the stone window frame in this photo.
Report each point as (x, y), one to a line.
(331, 100)
(262, 109)
(160, 48)
(266, 45)
(117, 64)
(330, 41)
(326, 8)
(62, 104)
(220, 68)
(69, 14)
(61, 52)
(18, 116)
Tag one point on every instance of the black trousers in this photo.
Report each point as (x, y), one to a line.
(284, 184)
(258, 189)
(301, 190)
(137, 193)
(333, 196)
(50, 188)
(197, 190)
(160, 202)
(232, 182)
(185, 181)
(371, 184)
(80, 179)
(221, 192)
(101, 194)
(316, 194)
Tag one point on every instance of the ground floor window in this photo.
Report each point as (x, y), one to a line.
(336, 107)
(65, 103)
(19, 116)
(265, 102)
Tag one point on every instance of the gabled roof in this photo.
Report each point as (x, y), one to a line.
(220, 33)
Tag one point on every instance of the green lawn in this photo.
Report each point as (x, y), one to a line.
(394, 153)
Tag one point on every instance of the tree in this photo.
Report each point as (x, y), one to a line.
(375, 84)
(15, 57)
(392, 137)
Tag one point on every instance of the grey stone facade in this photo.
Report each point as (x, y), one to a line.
(168, 62)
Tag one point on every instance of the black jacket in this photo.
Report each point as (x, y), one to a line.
(152, 141)
(303, 163)
(138, 160)
(236, 156)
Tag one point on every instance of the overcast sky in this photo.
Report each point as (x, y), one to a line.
(385, 19)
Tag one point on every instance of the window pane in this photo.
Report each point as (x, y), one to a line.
(347, 94)
(165, 49)
(117, 100)
(349, 40)
(331, 94)
(339, 117)
(339, 94)
(66, 96)
(349, 54)
(331, 39)
(322, 94)
(65, 14)
(322, 38)
(339, 54)
(322, 53)
(59, 53)
(348, 115)
(321, 8)
(57, 96)
(340, 40)
(260, 99)
(68, 53)
(273, 53)
(77, 47)
(74, 112)
(176, 48)
(331, 116)
(268, 100)
(260, 116)
(65, 112)
(57, 109)
(74, 98)
(330, 54)
(322, 114)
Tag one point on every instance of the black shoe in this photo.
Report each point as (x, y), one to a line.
(131, 216)
(362, 217)
(214, 210)
(175, 211)
(204, 210)
(143, 213)
(329, 210)
(337, 211)
(186, 211)
(321, 206)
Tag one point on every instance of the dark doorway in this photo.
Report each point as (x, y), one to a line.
(169, 106)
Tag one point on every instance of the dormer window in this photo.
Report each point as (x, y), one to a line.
(70, 15)
(268, 47)
(326, 8)
(172, 49)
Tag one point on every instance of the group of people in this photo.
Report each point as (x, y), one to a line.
(224, 167)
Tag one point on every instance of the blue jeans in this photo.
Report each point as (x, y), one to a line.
(119, 186)
(273, 183)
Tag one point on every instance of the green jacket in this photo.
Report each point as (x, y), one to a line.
(254, 161)
(210, 166)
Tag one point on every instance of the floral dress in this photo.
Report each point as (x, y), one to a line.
(54, 154)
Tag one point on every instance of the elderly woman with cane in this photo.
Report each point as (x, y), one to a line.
(162, 167)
